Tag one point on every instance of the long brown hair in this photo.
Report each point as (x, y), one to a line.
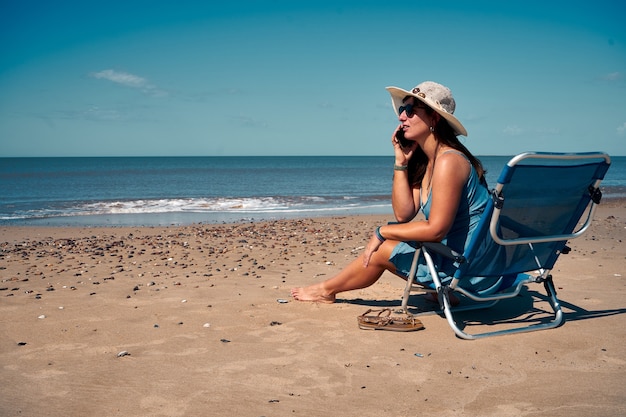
(446, 136)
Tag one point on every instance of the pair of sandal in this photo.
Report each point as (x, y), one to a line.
(385, 321)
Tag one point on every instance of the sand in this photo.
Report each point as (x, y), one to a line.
(197, 321)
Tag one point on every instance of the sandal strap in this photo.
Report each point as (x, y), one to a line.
(380, 312)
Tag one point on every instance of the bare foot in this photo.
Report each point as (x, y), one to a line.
(313, 293)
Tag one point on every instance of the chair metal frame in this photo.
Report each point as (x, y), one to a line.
(539, 275)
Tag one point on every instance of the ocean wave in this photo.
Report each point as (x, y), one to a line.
(250, 205)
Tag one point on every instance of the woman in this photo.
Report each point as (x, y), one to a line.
(433, 172)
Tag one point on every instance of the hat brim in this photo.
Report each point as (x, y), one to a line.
(398, 95)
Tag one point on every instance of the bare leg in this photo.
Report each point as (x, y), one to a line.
(353, 277)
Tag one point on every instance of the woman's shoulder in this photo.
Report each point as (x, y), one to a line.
(452, 157)
(455, 163)
(452, 153)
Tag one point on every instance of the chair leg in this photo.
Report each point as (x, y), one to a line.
(556, 321)
(409, 281)
(443, 292)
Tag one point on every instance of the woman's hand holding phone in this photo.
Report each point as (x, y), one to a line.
(401, 139)
(404, 148)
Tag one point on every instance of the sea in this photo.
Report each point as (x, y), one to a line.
(161, 191)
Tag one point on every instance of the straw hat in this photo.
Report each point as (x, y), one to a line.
(436, 96)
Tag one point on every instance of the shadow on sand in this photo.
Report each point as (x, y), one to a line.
(529, 307)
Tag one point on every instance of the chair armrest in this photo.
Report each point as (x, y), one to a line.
(439, 248)
(444, 250)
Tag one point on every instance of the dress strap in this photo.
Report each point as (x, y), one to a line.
(457, 152)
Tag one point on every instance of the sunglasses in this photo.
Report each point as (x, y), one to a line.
(410, 109)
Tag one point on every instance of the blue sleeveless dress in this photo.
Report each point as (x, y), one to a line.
(471, 207)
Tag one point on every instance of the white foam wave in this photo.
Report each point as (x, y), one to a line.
(248, 205)
(198, 205)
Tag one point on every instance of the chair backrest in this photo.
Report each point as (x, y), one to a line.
(537, 205)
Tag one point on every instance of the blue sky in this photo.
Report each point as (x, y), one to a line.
(144, 78)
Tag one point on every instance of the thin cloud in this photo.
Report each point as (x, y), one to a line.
(512, 130)
(96, 113)
(123, 78)
(621, 130)
(613, 76)
(129, 80)
(548, 131)
(250, 122)
(92, 113)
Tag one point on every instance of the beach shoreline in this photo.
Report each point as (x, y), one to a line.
(197, 320)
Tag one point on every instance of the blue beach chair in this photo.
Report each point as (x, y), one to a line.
(540, 201)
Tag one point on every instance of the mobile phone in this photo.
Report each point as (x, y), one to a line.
(404, 142)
